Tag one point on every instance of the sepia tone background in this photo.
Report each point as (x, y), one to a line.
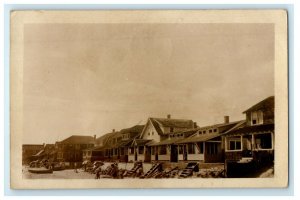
(90, 78)
(20, 19)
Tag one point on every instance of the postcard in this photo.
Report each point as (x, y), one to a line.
(149, 99)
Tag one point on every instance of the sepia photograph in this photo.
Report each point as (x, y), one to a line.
(149, 99)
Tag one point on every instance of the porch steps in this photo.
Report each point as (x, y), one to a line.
(245, 160)
(190, 168)
(171, 173)
(134, 170)
(157, 167)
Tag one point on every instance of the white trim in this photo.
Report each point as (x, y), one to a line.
(233, 150)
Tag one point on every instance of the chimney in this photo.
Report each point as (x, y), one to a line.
(113, 130)
(226, 119)
(169, 116)
(195, 125)
(94, 137)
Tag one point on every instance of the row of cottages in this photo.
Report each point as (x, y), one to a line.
(175, 140)
(254, 139)
(113, 146)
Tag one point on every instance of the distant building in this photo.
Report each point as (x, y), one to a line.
(28, 150)
(48, 153)
(113, 146)
(71, 149)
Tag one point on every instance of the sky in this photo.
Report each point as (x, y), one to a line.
(87, 79)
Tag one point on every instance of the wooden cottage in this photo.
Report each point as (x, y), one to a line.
(152, 144)
(254, 141)
(71, 149)
(206, 145)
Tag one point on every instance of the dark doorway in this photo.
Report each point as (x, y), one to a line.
(174, 153)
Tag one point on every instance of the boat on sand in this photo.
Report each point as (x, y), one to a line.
(40, 170)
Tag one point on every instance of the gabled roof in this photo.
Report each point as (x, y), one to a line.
(94, 149)
(165, 142)
(135, 129)
(173, 140)
(208, 136)
(241, 124)
(221, 125)
(104, 138)
(140, 142)
(159, 123)
(78, 139)
(267, 103)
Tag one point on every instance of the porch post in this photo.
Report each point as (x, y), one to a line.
(225, 141)
(242, 142)
(204, 151)
(272, 138)
(253, 142)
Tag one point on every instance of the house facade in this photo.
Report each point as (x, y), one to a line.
(71, 149)
(254, 141)
(113, 146)
(28, 150)
(152, 144)
(207, 144)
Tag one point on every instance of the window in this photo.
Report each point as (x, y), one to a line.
(122, 151)
(131, 150)
(200, 132)
(201, 147)
(212, 148)
(152, 133)
(162, 150)
(257, 117)
(180, 150)
(191, 148)
(204, 132)
(210, 131)
(149, 133)
(115, 151)
(234, 145)
(153, 150)
(171, 129)
(263, 141)
(141, 150)
(215, 130)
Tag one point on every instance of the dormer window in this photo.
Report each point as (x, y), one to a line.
(210, 131)
(257, 117)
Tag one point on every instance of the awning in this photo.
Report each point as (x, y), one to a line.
(166, 142)
(40, 153)
(199, 138)
(252, 129)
